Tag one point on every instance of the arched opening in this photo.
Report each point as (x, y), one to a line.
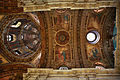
(17, 52)
(11, 37)
(16, 24)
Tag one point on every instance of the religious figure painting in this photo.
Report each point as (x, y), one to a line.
(62, 53)
(93, 54)
(62, 21)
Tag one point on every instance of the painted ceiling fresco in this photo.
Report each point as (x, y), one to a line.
(21, 37)
(69, 46)
(57, 38)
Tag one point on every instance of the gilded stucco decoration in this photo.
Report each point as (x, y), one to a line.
(21, 37)
(14, 34)
(69, 49)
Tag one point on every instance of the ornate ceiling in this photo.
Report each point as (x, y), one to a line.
(72, 38)
(68, 46)
(60, 36)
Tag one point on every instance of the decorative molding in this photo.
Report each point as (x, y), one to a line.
(49, 5)
(87, 73)
(5, 21)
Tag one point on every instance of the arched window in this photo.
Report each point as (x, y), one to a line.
(16, 24)
(17, 52)
(11, 37)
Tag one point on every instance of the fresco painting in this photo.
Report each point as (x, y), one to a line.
(93, 53)
(62, 21)
(62, 53)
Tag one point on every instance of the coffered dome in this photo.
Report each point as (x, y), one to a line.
(21, 37)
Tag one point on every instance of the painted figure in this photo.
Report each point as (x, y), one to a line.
(94, 54)
(62, 21)
(62, 54)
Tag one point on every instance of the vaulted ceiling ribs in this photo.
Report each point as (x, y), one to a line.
(77, 23)
(63, 41)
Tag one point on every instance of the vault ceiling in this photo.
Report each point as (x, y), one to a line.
(58, 38)
(68, 46)
(68, 34)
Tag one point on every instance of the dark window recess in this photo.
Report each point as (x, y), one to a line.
(18, 52)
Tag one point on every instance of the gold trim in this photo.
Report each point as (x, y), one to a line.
(72, 5)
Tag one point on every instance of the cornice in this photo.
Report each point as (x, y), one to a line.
(49, 5)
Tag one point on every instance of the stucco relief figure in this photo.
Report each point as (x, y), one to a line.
(62, 54)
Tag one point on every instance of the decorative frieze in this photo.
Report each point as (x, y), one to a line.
(73, 74)
(44, 5)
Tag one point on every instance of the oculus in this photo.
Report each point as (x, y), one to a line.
(93, 37)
